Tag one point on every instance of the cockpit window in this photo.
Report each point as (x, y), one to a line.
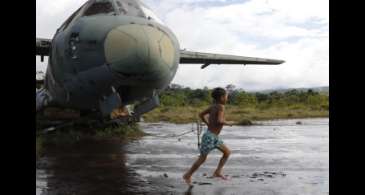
(70, 19)
(122, 7)
(104, 7)
(137, 9)
(150, 14)
(129, 8)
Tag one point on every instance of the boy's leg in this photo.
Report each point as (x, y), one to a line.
(226, 152)
(194, 167)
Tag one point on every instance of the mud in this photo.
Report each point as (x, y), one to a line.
(277, 157)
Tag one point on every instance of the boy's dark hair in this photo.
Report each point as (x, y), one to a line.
(217, 93)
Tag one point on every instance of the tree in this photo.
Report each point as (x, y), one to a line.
(261, 97)
(246, 99)
(230, 88)
(176, 86)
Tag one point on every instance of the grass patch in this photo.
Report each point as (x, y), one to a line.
(178, 115)
(70, 136)
(241, 115)
(123, 132)
(39, 146)
(244, 122)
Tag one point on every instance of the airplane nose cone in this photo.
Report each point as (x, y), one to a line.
(142, 50)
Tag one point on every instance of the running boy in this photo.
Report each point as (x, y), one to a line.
(210, 139)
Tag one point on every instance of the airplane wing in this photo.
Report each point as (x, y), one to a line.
(42, 47)
(190, 57)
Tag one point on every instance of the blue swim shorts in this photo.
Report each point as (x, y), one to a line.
(209, 142)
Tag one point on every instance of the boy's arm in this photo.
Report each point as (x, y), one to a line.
(202, 115)
(221, 119)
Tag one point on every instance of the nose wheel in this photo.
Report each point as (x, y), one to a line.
(122, 116)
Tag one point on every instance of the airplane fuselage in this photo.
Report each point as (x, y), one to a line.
(112, 53)
(94, 55)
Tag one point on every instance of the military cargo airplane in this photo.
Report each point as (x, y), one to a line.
(112, 53)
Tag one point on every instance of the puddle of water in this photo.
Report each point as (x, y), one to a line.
(281, 159)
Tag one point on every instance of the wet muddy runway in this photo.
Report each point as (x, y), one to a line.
(279, 157)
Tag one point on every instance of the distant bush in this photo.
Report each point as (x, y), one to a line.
(177, 95)
(244, 122)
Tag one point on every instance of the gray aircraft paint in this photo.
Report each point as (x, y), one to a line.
(124, 56)
(128, 53)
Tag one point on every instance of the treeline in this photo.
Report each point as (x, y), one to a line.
(177, 95)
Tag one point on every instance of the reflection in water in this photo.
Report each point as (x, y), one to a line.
(278, 157)
(189, 191)
(88, 167)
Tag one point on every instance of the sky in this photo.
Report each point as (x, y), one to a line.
(296, 31)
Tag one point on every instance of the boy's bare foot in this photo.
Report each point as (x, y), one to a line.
(220, 176)
(187, 179)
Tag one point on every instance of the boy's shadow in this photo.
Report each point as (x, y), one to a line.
(189, 191)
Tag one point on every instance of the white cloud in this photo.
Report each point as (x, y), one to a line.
(293, 30)
(255, 28)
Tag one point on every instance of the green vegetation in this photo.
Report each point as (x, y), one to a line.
(39, 148)
(69, 136)
(132, 131)
(182, 105)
